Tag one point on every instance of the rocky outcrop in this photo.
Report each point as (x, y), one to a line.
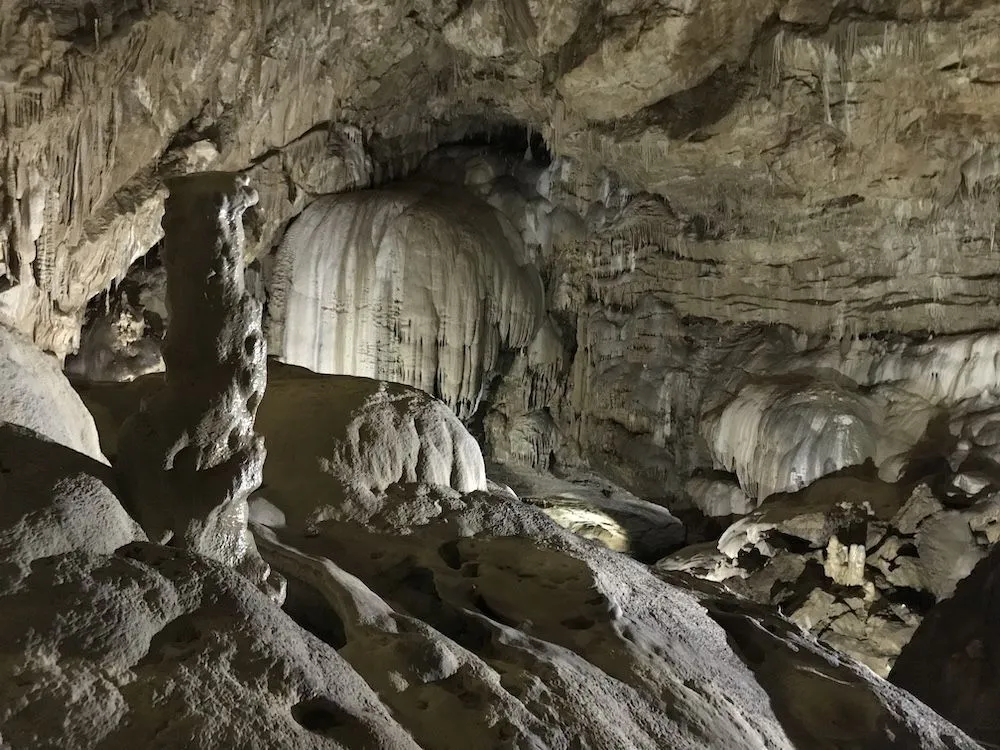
(55, 501)
(428, 602)
(641, 62)
(357, 442)
(353, 441)
(950, 663)
(516, 615)
(857, 562)
(167, 649)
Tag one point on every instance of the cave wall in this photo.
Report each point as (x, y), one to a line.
(840, 160)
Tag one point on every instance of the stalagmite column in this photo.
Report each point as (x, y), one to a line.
(189, 458)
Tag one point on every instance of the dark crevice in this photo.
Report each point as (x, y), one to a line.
(508, 139)
(412, 589)
(484, 606)
(312, 612)
(320, 715)
(450, 554)
(913, 599)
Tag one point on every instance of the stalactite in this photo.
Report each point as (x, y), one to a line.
(45, 259)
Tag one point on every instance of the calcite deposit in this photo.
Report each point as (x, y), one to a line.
(474, 618)
(709, 285)
(189, 458)
(414, 285)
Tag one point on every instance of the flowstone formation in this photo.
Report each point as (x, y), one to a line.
(189, 458)
(416, 284)
(767, 236)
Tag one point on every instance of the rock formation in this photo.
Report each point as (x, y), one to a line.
(189, 458)
(444, 615)
(950, 663)
(856, 561)
(123, 336)
(55, 501)
(35, 395)
(164, 650)
(409, 285)
(340, 446)
(709, 273)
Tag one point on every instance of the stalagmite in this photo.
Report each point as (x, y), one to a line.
(189, 458)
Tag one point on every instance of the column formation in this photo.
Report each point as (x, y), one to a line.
(189, 458)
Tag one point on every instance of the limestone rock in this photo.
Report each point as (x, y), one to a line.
(408, 285)
(165, 649)
(948, 551)
(717, 497)
(702, 561)
(55, 501)
(439, 603)
(116, 347)
(338, 444)
(539, 27)
(920, 505)
(779, 439)
(748, 206)
(355, 441)
(856, 562)
(950, 663)
(189, 458)
(594, 508)
(645, 61)
(36, 395)
(844, 564)
(516, 615)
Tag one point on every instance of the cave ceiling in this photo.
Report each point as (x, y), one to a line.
(828, 165)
